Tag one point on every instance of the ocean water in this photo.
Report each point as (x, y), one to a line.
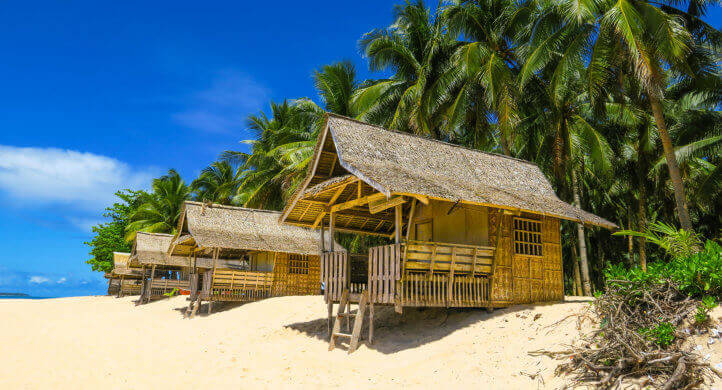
(21, 297)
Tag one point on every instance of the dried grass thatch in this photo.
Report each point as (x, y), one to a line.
(121, 265)
(394, 162)
(152, 248)
(242, 229)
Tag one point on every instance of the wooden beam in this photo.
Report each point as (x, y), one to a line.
(318, 219)
(384, 204)
(333, 165)
(304, 212)
(357, 202)
(411, 218)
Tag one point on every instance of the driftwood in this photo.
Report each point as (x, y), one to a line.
(621, 351)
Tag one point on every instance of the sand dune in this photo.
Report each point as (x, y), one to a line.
(104, 342)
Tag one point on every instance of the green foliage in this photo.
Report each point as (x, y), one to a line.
(108, 237)
(676, 242)
(160, 210)
(707, 303)
(662, 335)
(697, 275)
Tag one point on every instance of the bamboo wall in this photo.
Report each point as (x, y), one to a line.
(296, 274)
(528, 276)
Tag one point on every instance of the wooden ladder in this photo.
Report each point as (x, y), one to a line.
(358, 319)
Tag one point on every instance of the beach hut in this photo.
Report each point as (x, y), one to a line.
(161, 273)
(123, 279)
(270, 259)
(465, 228)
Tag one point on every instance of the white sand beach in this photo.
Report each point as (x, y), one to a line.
(105, 342)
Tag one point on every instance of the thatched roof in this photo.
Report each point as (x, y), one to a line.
(151, 248)
(241, 229)
(399, 163)
(121, 265)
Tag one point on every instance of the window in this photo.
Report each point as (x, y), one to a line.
(527, 237)
(298, 264)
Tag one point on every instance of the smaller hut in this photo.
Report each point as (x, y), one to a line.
(252, 256)
(123, 279)
(161, 274)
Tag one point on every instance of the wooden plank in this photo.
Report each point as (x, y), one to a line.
(357, 202)
(380, 205)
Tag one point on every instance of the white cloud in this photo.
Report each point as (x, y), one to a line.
(61, 280)
(38, 279)
(223, 107)
(58, 176)
(84, 224)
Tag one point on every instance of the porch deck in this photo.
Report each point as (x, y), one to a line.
(414, 273)
(237, 286)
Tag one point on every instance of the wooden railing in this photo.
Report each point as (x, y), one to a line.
(442, 257)
(384, 271)
(159, 287)
(416, 273)
(130, 287)
(334, 274)
(443, 290)
(231, 285)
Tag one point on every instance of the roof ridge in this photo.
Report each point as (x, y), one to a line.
(154, 234)
(432, 139)
(229, 207)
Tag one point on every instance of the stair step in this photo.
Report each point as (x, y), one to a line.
(342, 335)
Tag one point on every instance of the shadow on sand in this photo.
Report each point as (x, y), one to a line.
(218, 307)
(415, 327)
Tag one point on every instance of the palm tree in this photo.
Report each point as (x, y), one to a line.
(645, 41)
(284, 143)
(160, 211)
(217, 183)
(336, 84)
(279, 154)
(415, 47)
(478, 89)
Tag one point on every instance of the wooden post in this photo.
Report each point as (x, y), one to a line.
(150, 285)
(371, 323)
(323, 241)
(215, 261)
(397, 223)
(330, 316)
(332, 221)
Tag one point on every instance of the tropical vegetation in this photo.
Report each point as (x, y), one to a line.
(616, 101)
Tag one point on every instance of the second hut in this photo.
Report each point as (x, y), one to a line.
(270, 259)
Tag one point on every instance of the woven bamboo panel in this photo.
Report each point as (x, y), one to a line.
(296, 274)
(500, 238)
(553, 280)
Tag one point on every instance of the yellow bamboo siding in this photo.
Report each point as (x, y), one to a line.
(231, 285)
(528, 276)
(296, 274)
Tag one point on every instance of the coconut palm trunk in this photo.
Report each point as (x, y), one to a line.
(642, 225)
(674, 172)
(584, 264)
(577, 275)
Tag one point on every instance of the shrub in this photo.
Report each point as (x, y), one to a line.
(662, 335)
(697, 275)
(702, 316)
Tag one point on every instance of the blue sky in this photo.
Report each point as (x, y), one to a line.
(100, 96)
